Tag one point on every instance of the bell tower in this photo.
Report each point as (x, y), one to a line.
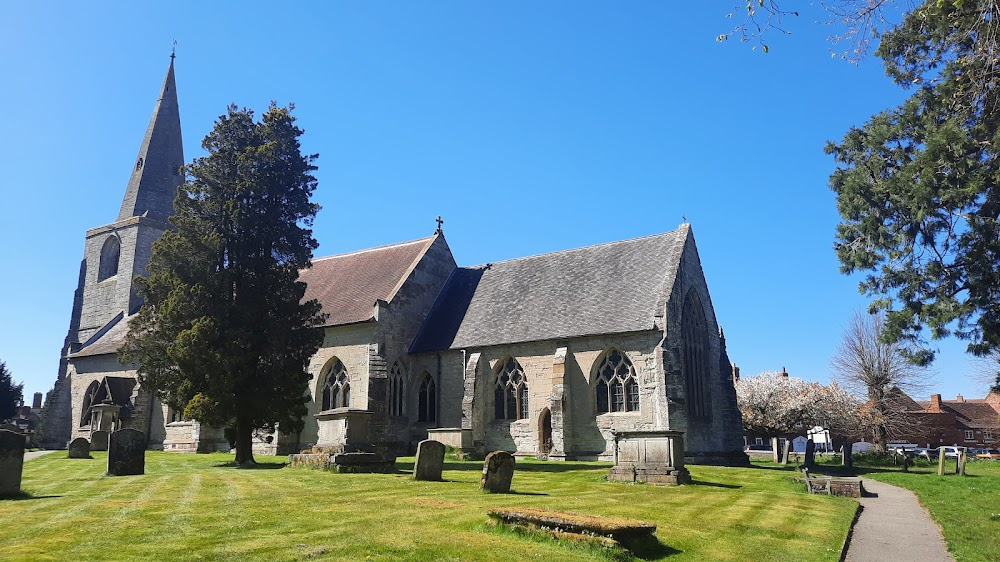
(115, 253)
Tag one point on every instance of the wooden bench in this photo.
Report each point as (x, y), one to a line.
(817, 484)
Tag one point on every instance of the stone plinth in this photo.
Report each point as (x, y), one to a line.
(430, 460)
(341, 428)
(498, 472)
(127, 453)
(356, 462)
(79, 448)
(454, 437)
(655, 457)
(11, 462)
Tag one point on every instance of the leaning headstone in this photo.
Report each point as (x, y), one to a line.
(11, 462)
(430, 460)
(810, 453)
(99, 441)
(785, 451)
(126, 453)
(79, 448)
(498, 471)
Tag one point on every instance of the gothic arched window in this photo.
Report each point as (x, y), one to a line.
(110, 254)
(427, 399)
(88, 401)
(511, 393)
(617, 390)
(694, 354)
(336, 389)
(397, 390)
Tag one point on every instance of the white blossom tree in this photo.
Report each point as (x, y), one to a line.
(774, 404)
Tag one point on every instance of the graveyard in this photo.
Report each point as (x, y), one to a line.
(198, 507)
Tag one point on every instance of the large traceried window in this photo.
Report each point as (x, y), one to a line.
(694, 353)
(427, 399)
(336, 388)
(110, 254)
(511, 393)
(397, 390)
(88, 401)
(617, 390)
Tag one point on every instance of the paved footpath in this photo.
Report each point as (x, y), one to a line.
(28, 455)
(895, 526)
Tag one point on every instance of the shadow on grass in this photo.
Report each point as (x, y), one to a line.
(714, 484)
(22, 496)
(649, 548)
(255, 466)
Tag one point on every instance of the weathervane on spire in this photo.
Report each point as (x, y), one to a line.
(440, 221)
(173, 51)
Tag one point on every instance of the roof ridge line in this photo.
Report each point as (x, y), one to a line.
(567, 250)
(363, 250)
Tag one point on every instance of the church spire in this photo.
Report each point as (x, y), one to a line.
(156, 172)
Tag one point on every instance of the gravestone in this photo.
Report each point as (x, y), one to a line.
(498, 471)
(126, 453)
(430, 460)
(11, 462)
(810, 453)
(99, 441)
(79, 448)
(785, 451)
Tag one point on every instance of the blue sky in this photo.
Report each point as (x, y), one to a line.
(530, 127)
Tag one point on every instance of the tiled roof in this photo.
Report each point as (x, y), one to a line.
(605, 289)
(347, 285)
(980, 414)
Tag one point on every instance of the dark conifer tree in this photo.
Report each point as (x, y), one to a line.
(918, 186)
(11, 395)
(223, 333)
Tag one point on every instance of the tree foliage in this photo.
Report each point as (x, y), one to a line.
(917, 185)
(11, 395)
(869, 366)
(223, 334)
(774, 404)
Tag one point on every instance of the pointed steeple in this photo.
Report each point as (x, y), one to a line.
(156, 172)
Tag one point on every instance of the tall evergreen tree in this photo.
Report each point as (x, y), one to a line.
(223, 333)
(917, 186)
(11, 395)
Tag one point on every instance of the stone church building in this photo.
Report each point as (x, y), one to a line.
(546, 355)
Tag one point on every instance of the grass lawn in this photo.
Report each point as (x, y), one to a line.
(191, 507)
(967, 508)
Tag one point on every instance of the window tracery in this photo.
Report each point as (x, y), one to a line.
(511, 392)
(427, 399)
(616, 388)
(694, 351)
(337, 388)
(397, 390)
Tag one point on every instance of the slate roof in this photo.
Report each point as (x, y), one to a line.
(109, 342)
(605, 289)
(347, 285)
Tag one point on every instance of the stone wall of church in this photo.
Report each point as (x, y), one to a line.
(146, 416)
(350, 344)
(562, 384)
(718, 436)
(104, 299)
(398, 324)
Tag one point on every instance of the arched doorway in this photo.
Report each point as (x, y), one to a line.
(544, 433)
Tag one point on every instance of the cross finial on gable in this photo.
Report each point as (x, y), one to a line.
(440, 221)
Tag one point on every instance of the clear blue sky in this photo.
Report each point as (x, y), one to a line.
(530, 127)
